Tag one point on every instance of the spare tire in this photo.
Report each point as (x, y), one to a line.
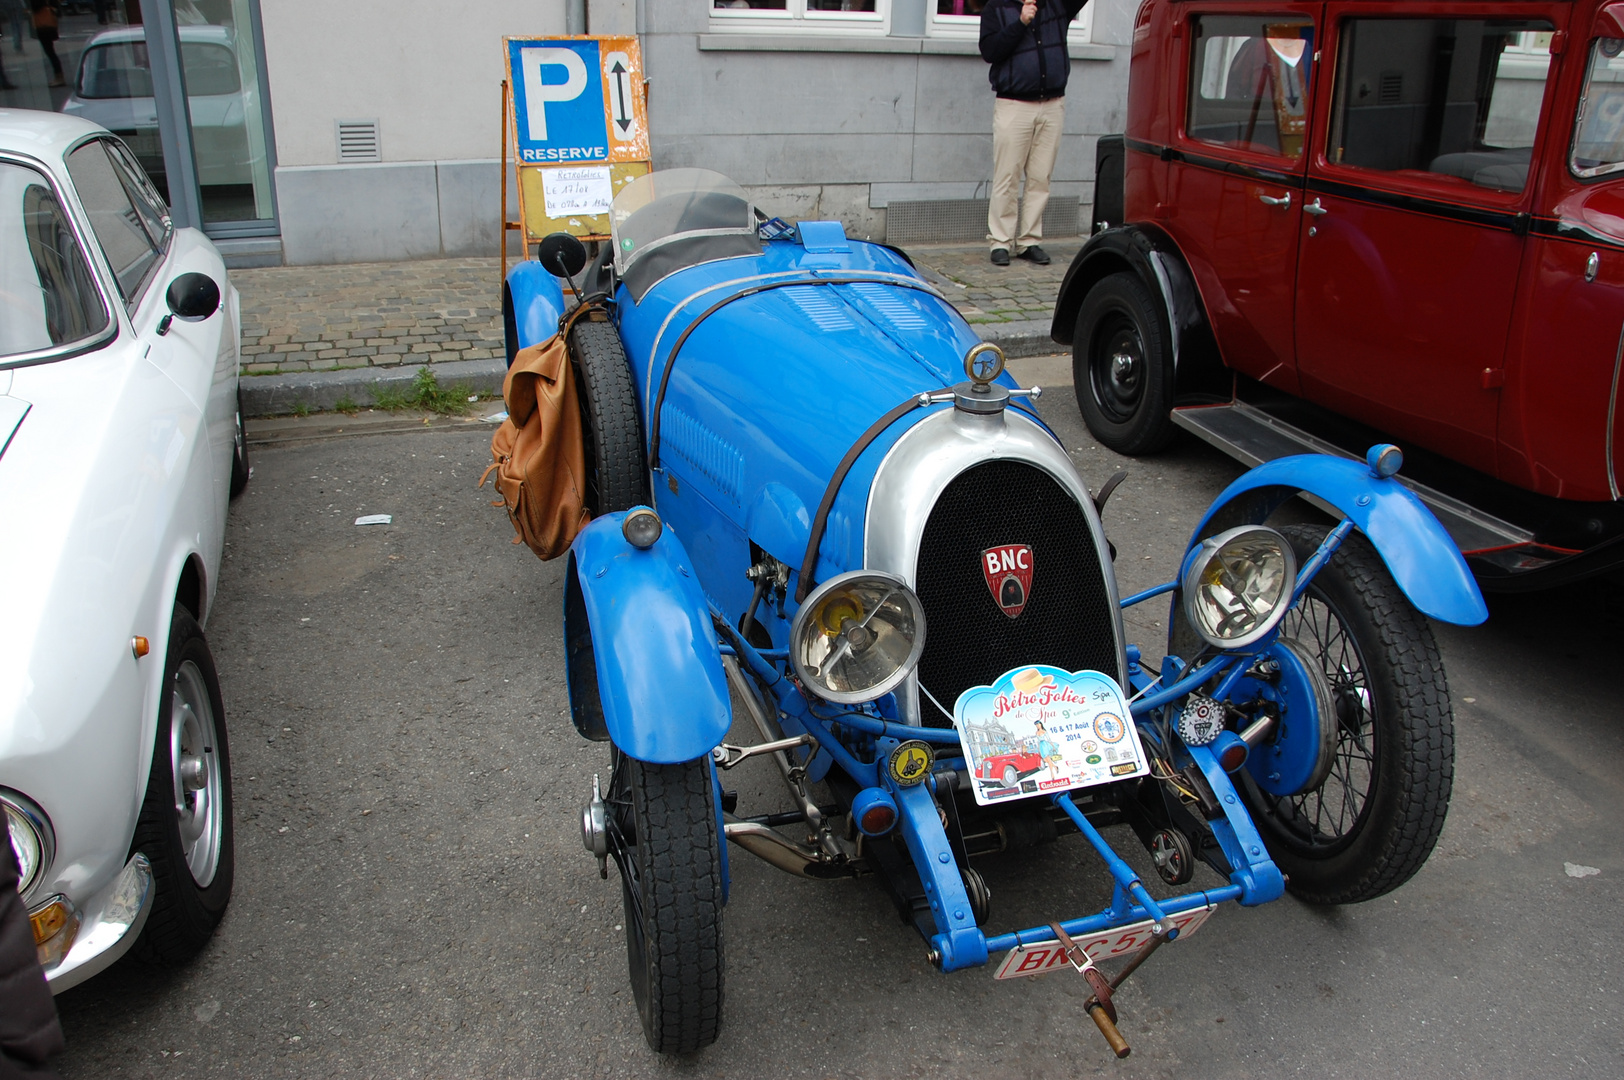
(615, 458)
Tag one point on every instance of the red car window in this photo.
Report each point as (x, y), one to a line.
(1249, 82)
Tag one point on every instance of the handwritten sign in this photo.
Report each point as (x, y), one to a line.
(583, 190)
(1039, 730)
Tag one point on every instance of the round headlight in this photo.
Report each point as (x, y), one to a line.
(857, 636)
(30, 837)
(1239, 585)
(641, 527)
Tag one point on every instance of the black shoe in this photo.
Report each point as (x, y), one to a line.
(1035, 254)
(1000, 256)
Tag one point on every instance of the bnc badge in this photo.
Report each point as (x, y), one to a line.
(1008, 570)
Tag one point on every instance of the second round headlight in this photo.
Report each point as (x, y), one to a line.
(1239, 585)
(857, 636)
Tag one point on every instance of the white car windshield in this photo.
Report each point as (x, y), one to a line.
(48, 297)
(669, 220)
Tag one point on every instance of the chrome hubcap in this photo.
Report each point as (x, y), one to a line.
(1122, 367)
(195, 769)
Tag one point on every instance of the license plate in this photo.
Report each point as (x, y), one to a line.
(1046, 956)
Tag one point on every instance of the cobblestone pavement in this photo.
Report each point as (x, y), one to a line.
(985, 293)
(320, 318)
(317, 318)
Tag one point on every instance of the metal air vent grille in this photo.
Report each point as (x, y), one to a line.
(358, 141)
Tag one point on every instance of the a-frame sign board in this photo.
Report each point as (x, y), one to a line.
(575, 114)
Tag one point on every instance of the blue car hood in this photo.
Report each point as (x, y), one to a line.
(770, 389)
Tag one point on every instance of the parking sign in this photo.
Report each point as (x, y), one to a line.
(579, 124)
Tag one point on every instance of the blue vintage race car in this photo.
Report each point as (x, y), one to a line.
(820, 499)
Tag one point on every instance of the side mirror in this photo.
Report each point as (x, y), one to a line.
(562, 254)
(193, 297)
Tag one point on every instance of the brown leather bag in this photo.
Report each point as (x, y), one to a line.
(539, 458)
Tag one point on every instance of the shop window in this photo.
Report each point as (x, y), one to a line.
(776, 15)
(1444, 98)
(1249, 83)
(962, 18)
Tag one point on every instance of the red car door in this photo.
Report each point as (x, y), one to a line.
(1562, 414)
(1235, 181)
(1418, 199)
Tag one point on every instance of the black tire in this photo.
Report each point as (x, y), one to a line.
(192, 871)
(615, 459)
(1368, 827)
(239, 452)
(1122, 366)
(664, 833)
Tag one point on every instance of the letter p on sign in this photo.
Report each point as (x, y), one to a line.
(538, 93)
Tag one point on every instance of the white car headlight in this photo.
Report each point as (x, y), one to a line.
(31, 838)
(857, 636)
(1239, 585)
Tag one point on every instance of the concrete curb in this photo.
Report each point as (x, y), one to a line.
(1028, 337)
(321, 391)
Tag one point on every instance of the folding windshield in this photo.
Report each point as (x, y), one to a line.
(1598, 140)
(668, 221)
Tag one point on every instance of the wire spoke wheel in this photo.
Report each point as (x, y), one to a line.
(1370, 823)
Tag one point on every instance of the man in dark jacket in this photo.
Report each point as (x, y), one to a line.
(29, 1033)
(1025, 42)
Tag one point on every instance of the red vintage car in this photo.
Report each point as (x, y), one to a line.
(1329, 221)
(1008, 768)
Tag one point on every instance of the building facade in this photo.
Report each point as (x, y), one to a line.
(315, 131)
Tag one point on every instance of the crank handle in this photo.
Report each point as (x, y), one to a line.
(1108, 1028)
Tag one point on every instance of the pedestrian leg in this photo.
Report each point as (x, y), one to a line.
(1045, 146)
(1011, 145)
(56, 65)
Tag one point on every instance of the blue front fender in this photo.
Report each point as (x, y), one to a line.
(532, 307)
(642, 659)
(1418, 552)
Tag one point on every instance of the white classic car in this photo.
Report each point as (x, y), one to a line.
(121, 443)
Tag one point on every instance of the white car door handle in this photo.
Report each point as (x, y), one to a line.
(1284, 200)
(1315, 209)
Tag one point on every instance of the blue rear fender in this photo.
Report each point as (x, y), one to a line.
(532, 303)
(644, 667)
(1420, 555)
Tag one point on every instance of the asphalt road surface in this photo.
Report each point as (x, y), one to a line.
(412, 898)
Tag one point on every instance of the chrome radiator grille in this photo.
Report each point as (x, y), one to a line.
(969, 641)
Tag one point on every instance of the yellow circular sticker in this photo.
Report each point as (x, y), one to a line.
(910, 762)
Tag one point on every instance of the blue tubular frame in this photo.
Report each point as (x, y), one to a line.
(959, 942)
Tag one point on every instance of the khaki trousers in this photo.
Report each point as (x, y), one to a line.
(1025, 139)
